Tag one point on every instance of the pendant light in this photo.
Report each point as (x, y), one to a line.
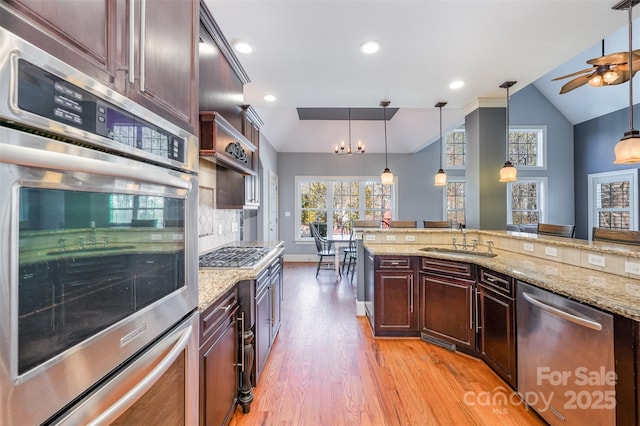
(386, 177)
(628, 149)
(342, 150)
(508, 173)
(441, 176)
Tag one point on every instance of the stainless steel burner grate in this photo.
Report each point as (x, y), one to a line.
(233, 257)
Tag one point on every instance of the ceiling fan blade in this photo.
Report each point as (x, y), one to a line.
(575, 83)
(614, 58)
(625, 67)
(574, 74)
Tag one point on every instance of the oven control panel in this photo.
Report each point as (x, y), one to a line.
(49, 96)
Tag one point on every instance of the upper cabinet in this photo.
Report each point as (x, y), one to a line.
(143, 51)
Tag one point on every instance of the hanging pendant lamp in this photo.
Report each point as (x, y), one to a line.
(628, 149)
(508, 173)
(386, 177)
(441, 176)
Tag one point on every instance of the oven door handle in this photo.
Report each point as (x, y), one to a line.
(31, 157)
(129, 398)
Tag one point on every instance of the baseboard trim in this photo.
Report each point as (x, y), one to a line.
(360, 311)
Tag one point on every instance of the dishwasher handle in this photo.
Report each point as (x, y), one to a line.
(585, 322)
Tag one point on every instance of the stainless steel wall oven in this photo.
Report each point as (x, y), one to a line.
(98, 251)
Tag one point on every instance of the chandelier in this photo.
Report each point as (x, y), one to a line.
(346, 150)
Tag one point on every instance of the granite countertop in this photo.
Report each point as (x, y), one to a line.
(214, 282)
(613, 293)
(114, 249)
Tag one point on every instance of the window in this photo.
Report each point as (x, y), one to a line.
(335, 201)
(525, 201)
(612, 200)
(455, 202)
(126, 208)
(527, 146)
(455, 146)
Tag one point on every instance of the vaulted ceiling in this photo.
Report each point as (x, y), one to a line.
(306, 53)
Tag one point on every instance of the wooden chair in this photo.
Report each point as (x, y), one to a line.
(556, 230)
(350, 255)
(366, 224)
(403, 224)
(324, 248)
(436, 224)
(620, 236)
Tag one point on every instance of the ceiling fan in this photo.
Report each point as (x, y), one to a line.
(607, 70)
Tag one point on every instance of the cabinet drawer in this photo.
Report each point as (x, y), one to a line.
(217, 313)
(394, 262)
(448, 268)
(497, 281)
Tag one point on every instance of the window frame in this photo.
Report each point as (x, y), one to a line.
(542, 146)
(542, 195)
(443, 154)
(329, 180)
(613, 176)
(445, 200)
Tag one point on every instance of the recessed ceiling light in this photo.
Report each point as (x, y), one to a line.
(269, 98)
(370, 47)
(456, 84)
(242, 47)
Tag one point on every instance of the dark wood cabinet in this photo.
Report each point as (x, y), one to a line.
(497, 323)
(150, 58)
(394, 297)
(219, 339)
(447, 304)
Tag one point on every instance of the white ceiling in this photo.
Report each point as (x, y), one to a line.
(306, 54)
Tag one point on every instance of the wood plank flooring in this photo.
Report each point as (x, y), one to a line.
(326, 368)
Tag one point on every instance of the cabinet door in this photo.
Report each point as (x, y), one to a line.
(82, 33)
(395, 304)
(262, 332)
(219, 378)
(446, 310)
(164, 62)
(497, 339)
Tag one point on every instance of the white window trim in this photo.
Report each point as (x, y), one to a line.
(443, 154)
(618, 175)
(541, 147)
(329, 179)
(542, 197)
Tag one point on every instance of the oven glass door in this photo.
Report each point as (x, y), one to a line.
(89, 259)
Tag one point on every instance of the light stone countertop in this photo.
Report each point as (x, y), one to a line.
(613, 293)
(214, 282)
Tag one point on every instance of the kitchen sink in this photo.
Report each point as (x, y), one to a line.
(90, 250)
(445, 250)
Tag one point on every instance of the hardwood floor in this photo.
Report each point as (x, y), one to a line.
(327, 369)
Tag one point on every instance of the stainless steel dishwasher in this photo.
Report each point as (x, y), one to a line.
(565, 358)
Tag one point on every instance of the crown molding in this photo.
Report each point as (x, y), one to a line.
(485, 103)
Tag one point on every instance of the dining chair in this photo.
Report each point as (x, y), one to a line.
(556, 230)
(621, 236)
(324, 248)
(366, 224)
(436, 224)
(403, 224)
(350, 253)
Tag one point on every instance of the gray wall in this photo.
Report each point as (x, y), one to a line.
(594, 144)
(529, 107)
(268, 161)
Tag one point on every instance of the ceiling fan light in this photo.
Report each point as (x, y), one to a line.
(508, 173)
(596, 81)
(627, 151)
(610, 76)
(386, 177)
(440, 178)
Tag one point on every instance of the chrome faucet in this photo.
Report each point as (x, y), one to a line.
(455, 243)
(464, 237)
(474, 244)
(489, 246)
(61, 243)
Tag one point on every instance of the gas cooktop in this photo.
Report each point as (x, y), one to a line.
(233, 257)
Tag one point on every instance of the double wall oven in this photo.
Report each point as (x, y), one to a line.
(98, 254)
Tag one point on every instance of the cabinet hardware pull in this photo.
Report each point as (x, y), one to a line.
(132, 56)
(411, 291)
(471, 309)
(226, 308)
(143, 30)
